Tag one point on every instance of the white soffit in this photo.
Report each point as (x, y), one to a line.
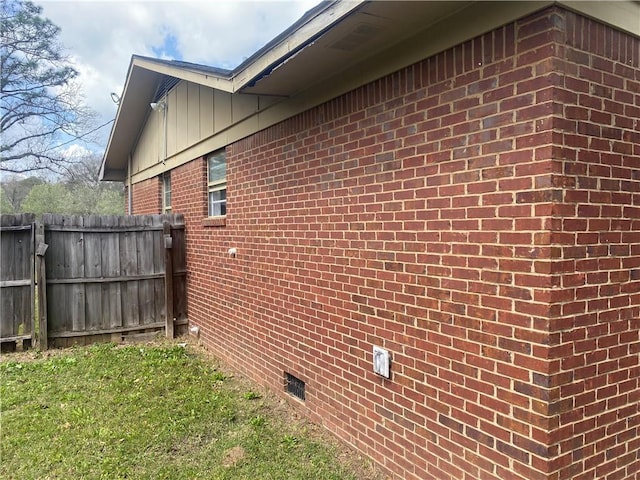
(367, 30)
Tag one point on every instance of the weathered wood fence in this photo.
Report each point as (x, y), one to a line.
(102, 278)
(17, 283)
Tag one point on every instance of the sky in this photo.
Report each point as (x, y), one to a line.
(101, 36)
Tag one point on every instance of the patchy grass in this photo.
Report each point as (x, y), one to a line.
(150, 411)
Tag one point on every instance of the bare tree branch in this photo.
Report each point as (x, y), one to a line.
(40, 107)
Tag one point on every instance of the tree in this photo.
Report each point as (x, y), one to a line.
(72, 200)
(48, 198)
(86, 172)
(101, 201)
(16, 189)
(78, 191)
(89, 193)
(110, 202)
(5, 205)
(40, 106)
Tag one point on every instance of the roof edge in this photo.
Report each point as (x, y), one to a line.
(293, 39)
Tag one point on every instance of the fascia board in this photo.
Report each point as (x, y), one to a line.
(132, 110)
(184, 73)
(297, 39)
(103, 173)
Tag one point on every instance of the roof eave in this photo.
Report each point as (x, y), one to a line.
(311, 25)
(142, 70)
(264, 71)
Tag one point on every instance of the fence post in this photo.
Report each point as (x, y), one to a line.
(41, 249)
(168, 279)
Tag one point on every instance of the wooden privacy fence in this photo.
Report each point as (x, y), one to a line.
(17, 283)
(101, 278)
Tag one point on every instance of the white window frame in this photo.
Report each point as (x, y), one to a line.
(217, 185)
(166, 192)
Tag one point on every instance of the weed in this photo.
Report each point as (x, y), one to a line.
(289, 441)
(257, 421)
(251, 395)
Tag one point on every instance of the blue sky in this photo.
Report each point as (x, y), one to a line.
(101, 36)
(169, 48)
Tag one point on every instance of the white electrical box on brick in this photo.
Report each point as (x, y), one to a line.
(381, 361)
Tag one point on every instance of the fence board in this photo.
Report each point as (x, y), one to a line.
(145, 263)
(168, 279)
(129, 268)
(54, 268)
(40, 270)
(8, 274)
(158, 267)
(93, 269)
(111, 292)
(179, 258)
(22, 296)
(74, 252)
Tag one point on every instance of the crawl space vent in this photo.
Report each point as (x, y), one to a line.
(294, 386)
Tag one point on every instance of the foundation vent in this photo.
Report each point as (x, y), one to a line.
(294, 386)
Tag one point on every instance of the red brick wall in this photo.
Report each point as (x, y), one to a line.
(594, 324)
(147, 196)
(477, 215)
(189, 196)
(126, 200)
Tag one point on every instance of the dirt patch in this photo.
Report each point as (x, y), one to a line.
(36, 354)
(233, 456)
(31, 355)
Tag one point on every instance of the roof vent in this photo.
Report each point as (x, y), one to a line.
(361, 34)
(164, 85)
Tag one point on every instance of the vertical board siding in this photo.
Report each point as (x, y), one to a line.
(105, 275)
(17, 282)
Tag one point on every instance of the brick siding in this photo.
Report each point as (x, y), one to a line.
(478, 215)
(594, 344)
(147, 196)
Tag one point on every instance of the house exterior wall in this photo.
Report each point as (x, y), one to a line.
(594, 324)
(478, 215)
(147, 197)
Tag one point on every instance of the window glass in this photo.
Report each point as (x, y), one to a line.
(166, 192)
(217, 203)
(217, 167)
(217, 182)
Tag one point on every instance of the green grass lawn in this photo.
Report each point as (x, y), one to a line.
(149, 411)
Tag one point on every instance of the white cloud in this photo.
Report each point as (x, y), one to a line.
(75, 152)
(101, 36)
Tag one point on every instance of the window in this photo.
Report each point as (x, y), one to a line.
(166, 192)
(217, 181)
